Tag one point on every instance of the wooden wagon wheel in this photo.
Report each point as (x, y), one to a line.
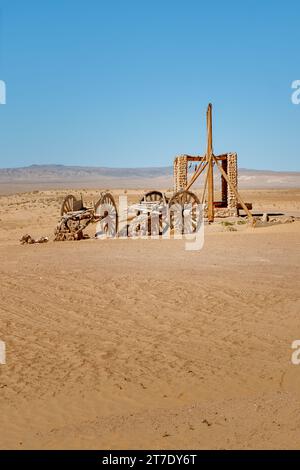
(68, 204)
(107, 210)
(153, 196)
(160, 198)
(184, 212)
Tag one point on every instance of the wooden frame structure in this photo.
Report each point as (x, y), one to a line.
(226, 164)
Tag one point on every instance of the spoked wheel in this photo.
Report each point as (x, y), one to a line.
(184, 212)
(107, 210)
(153, 196)
(157, 224)
(68, 204)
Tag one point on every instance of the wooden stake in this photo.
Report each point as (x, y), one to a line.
(210, 171)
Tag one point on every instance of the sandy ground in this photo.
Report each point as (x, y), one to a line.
(141, 344)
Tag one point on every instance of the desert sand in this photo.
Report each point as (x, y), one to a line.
(141, 344)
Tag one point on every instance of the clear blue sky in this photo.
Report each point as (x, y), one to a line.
(126, 82)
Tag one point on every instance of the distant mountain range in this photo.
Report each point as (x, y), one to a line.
(55, 171)
(61, 176)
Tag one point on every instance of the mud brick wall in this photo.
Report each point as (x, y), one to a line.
(180, 172)
(232, 172)
(224, 189)
(228, 196)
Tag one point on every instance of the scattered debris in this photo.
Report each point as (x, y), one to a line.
(288, 220)
(226, 223)
(204, 421)
(269, 221)
(230, 228)
(264, 220)
(28, 240)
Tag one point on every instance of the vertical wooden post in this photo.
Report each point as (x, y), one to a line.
(210, 177)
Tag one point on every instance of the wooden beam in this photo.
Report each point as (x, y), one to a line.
(199, 158)
(210, 171)
(196, 175)
(221, 157)
(204, 188)
(234, 190)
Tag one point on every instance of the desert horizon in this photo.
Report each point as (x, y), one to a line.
(46, 177)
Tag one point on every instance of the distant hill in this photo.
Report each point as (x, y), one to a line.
(46, 172)
(61, 176)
